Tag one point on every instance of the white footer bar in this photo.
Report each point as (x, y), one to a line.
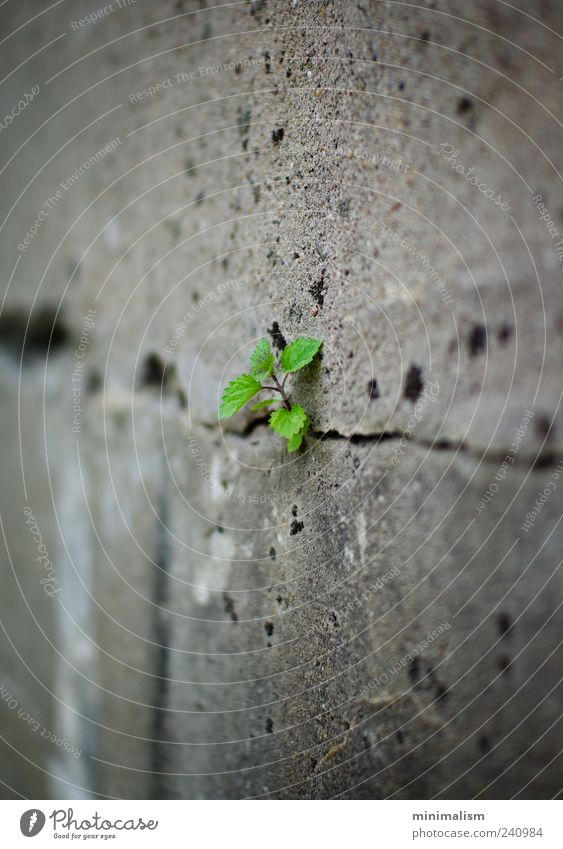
(284, 824)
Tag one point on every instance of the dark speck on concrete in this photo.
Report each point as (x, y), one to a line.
(244, 116)
(414, 671)
(485, 743)
(504, 624)
(373, 389)
(544, 425)
(441, 693)
(477, 342)
(318, 289)
(277, 336)
(344, 207)
(504, 333)
(413, 384)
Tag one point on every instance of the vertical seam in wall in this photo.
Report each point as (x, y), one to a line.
(161, 636)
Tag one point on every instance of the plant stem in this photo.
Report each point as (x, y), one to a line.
(280, 389)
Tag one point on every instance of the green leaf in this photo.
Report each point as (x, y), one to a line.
(288, 422)
(237, 393)
(261, 360)
(295, 442)
(267, 403)
(299, 353)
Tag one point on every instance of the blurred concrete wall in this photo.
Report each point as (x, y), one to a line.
(377, 616)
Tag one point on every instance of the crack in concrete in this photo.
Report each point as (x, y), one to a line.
(542, 459)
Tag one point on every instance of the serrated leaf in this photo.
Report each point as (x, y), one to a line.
(267, 403)
(295, 442)
(237, 393)
(299, 353)
(262, 360)
(288, 422)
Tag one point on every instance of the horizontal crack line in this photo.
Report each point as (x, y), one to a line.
(544, 459)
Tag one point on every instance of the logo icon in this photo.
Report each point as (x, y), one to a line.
(32, 822)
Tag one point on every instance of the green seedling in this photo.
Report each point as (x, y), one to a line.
(289, 420)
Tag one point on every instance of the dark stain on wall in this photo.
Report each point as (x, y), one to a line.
(161, 638)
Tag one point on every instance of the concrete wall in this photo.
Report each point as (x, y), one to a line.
(361, 619)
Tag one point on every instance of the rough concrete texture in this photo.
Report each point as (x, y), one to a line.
(233, 621)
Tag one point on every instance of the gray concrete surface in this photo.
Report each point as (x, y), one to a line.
(232, 622)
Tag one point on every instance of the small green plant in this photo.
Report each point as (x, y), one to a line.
(290, 420)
